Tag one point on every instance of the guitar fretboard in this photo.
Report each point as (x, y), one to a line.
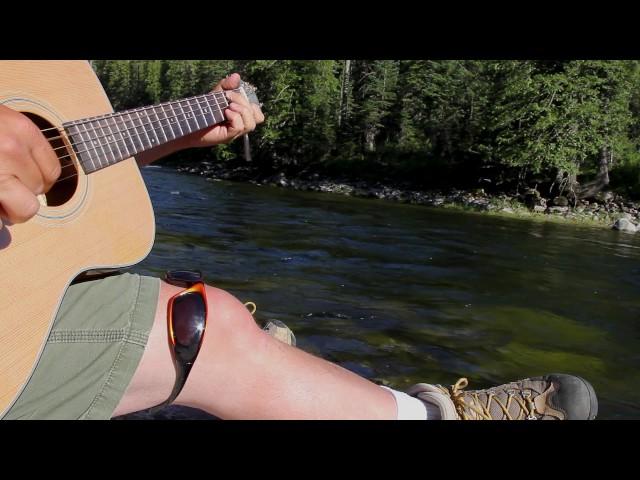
(107, 139)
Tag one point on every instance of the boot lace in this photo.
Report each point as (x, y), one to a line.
(470, 407)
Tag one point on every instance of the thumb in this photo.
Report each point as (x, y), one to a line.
(228, 83)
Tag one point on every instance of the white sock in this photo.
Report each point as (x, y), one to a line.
(409, 408)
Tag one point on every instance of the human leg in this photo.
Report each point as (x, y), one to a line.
(108, 354)
(95, 345)
(242, 372)
(238, 360)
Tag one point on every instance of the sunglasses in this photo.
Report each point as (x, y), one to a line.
(187, 320)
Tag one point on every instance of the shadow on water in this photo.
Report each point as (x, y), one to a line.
(403, 294)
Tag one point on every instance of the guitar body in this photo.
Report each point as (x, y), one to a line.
(101, 220)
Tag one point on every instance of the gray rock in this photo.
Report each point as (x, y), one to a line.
(561, 201)
(532, 192)
(343, 189)
(533, 201)
(625, 225)
(539, 208)
(555, 209)
(604, 197)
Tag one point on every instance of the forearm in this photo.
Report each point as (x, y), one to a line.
(240, 117)
(150, 156)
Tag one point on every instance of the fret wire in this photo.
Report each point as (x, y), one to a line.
(88, 143)
(218, 105)
(124, 142)
(184, 126)
(220, 108)
(93, 140)
(137, 151)
(135, 135)
(194, 115)
(168, 124)
(213, 112)
(107, 144)
(157, 142)
(144, 130)
(186, 116)
(136, 128)
(169, 118)
(82, 161)
(119, 157)
(95, 148)
(75, 134)
(175, 116)
(186, 120)
(128, 112)
(207, 110)
(190, 113)
(115, 140)
(110, 114)
(161, 129)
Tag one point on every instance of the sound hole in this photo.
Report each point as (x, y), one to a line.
(67, 183)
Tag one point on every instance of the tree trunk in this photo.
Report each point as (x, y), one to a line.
(344, 96)
(589, 189)
(370, 138)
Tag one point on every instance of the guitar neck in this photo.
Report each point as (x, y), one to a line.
(108, 139)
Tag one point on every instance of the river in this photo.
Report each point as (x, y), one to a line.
(402, 294)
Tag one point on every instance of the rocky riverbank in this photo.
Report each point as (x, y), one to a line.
(607, 209)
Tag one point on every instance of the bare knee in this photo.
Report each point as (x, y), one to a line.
(231, 339)
(228, 317)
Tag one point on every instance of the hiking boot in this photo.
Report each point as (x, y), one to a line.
(280, 331)
(551, 397)
(275, 328)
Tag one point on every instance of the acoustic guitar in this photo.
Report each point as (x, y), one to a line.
(98, 215)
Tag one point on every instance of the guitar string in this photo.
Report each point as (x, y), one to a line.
(128, 112)
(200, 99)
(159, 120)
(154, 129)
(113, 114)
(181, 117)
(82, 162)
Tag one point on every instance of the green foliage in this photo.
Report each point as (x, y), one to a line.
(559, 116)
(421, 119)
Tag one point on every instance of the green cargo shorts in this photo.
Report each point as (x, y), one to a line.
(93, 350)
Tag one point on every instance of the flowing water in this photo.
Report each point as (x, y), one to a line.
(402, 294)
